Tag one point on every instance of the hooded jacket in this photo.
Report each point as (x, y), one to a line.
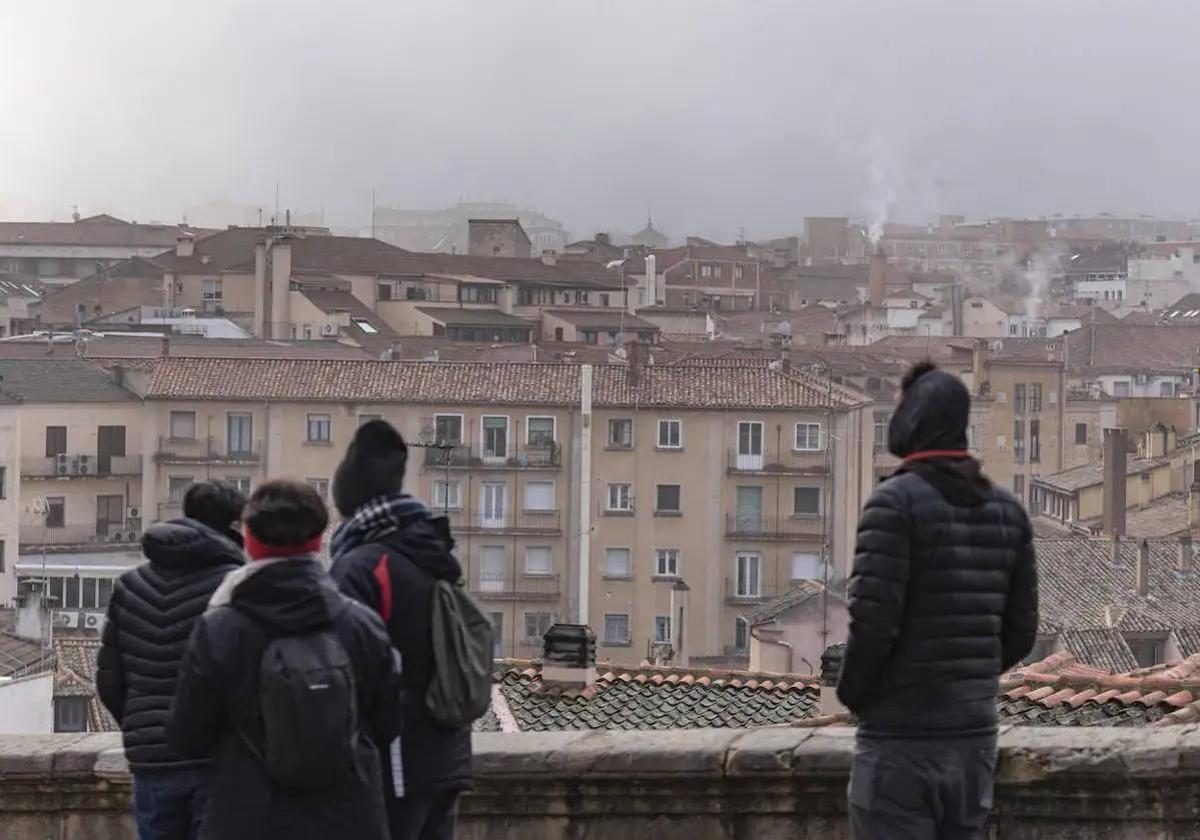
(217, 704)
(150, 618)
(943, 594)
(395, 577)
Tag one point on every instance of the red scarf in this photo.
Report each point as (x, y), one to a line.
(936, 453)
(261, 551)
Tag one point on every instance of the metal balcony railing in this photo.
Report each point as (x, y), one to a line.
(169, 510)
(744, 527)
(514, 587)
(74, 535)
(530, 456)
(521, 649)
(787, 462)
(206, 449)
(81, 465)
(510, 522)
(749, 590)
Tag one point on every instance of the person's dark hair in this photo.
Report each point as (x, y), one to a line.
(285, 512)
(217, 504)
(916, 372)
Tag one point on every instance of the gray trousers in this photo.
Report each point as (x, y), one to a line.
(921, 790)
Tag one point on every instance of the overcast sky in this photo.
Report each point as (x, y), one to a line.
(719, 115)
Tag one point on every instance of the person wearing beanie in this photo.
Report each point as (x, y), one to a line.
(244, 693)
(389, 553)
(942, 600)
(150, 617)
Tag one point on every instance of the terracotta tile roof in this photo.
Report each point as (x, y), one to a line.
(1092, 474)
(17, 654)
(480, 383)
(99, 230)
(59, 381)
(1125, 347)
(652, 697)
(800, 592)
(601, 318)
(75, 676)
(331, 300)
(462, 316)
(1101, 646)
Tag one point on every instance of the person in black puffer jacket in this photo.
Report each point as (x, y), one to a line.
(150, 618)
(942, 600)
(388, 554)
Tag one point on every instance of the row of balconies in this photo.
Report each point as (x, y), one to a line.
(81, 465)
(65, 537)
(533, 456)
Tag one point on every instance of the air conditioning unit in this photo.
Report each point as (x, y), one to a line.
(83, 467)
(133, 512)
(85, 459)
(62, 464)
(66, 619)
(328, 329)
(1141, 378)
(133, 535)
(93, 621)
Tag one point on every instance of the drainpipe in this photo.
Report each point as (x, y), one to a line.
(585, 490)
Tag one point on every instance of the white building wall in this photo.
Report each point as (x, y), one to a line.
(27, 705)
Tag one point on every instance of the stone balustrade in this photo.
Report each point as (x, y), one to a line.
(712, 784)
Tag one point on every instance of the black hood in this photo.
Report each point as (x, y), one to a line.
(185, 544)
(374, 466)
(960, 481)
(294, 595)
(932, 415)
(427, 543)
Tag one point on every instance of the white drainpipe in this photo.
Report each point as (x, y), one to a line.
(585, 491)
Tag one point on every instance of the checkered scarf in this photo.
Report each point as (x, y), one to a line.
(375, 519)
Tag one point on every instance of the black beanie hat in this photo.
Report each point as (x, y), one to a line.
(373, 466)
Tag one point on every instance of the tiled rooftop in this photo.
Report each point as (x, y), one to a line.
(1089, 475)
(59, 381)
(75, 676)
(481, 382)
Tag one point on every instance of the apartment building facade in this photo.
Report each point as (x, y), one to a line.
(651, 497)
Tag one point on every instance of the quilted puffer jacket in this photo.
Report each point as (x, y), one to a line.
(943, 594)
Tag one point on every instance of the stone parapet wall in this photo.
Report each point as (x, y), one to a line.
(767, 784)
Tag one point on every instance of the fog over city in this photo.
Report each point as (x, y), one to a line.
(717, 116)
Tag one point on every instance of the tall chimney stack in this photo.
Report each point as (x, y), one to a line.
(185, 245)
(1115, 454)
(877, 278)
(1183, 563)
(831, 669)
(569, 656)
(1142, 570)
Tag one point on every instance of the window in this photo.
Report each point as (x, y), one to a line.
(616, 628)
(1035, 441)
(239, 434)
(616, 563)
(1146, 652)
(808, 437)
(806, 501)
(882, 421)
(477, 294)
(750, 443)
(1121, 389)
(241, 482)
(183, 425)
(71, 592)
(741, 635)
(495, 438)
(497, 620)
(1019, 441)
(873, 384)
(807, 566)
(210, 294)
(56, 511)
(308, 332)
(103, 591)
(662, 629)
(1019, 398)
(1166, 389)
(321, 485)
(539, 495)
(3, 482)
(364, 419)
(177, 485)
(670, 434)
(3, 565)
(318, 428)
(1035, 397)
(56, 440)
(364, 325)
(748, 579)
(447, 428)
(618, 497)
(666, 498)
(603, 299)
(70, 714)
(536, 625)
(1019, 486)
(1081, 434)
(666, 562)
(706, 270)
(539, 560)
(620, 432)
(539, 430)
(446, 495)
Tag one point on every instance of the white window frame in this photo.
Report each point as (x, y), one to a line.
(616, 444)
(367, 418)
(628, 575)
(608, 497)
(454, 502)
(462, 428)
(666, 562)
(658, 437)
(229, 415)
(757, 557)
(171, 423)
(525, 637)
(815, 557)
(241, 482)
(308, 421)
(762, 437)
(553, 427)
(508, 439)
(662, 630)
(321, 485)
(612, 640)
(538, 572)
(808, 426)
(553, 497)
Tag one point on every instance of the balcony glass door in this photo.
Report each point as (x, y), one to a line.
(110, 443)
(750, 445)
(491, 568)
(749, 575)
(110, 515)
(749, 509)
(239, 434)
(495, 440)
(495, 504)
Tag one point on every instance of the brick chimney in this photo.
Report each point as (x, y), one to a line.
(979, 356)
(831, 669)
(1142, 569)
(877, 279)
(1114, 549)
(166, 346)
(569, 656)
(1184, 559)
(1115, 454)
(633, 371)
(185, 245)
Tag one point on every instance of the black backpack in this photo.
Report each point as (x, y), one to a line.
(461, 688)
(308, 712)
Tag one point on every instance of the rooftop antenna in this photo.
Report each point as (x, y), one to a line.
(275, 218)
(372, 212)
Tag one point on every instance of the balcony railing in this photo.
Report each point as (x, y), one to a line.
(169, 510)
(81, 465)
(748, 527)
(788, 462)
(206, 449)
(90, 534)
(514, 588)
(530, 456)
(509, 522)
(524, 649)
(749, 590)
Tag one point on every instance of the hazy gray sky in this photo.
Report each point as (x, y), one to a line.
(719, 114)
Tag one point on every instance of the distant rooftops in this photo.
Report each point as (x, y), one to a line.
(101, 230)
